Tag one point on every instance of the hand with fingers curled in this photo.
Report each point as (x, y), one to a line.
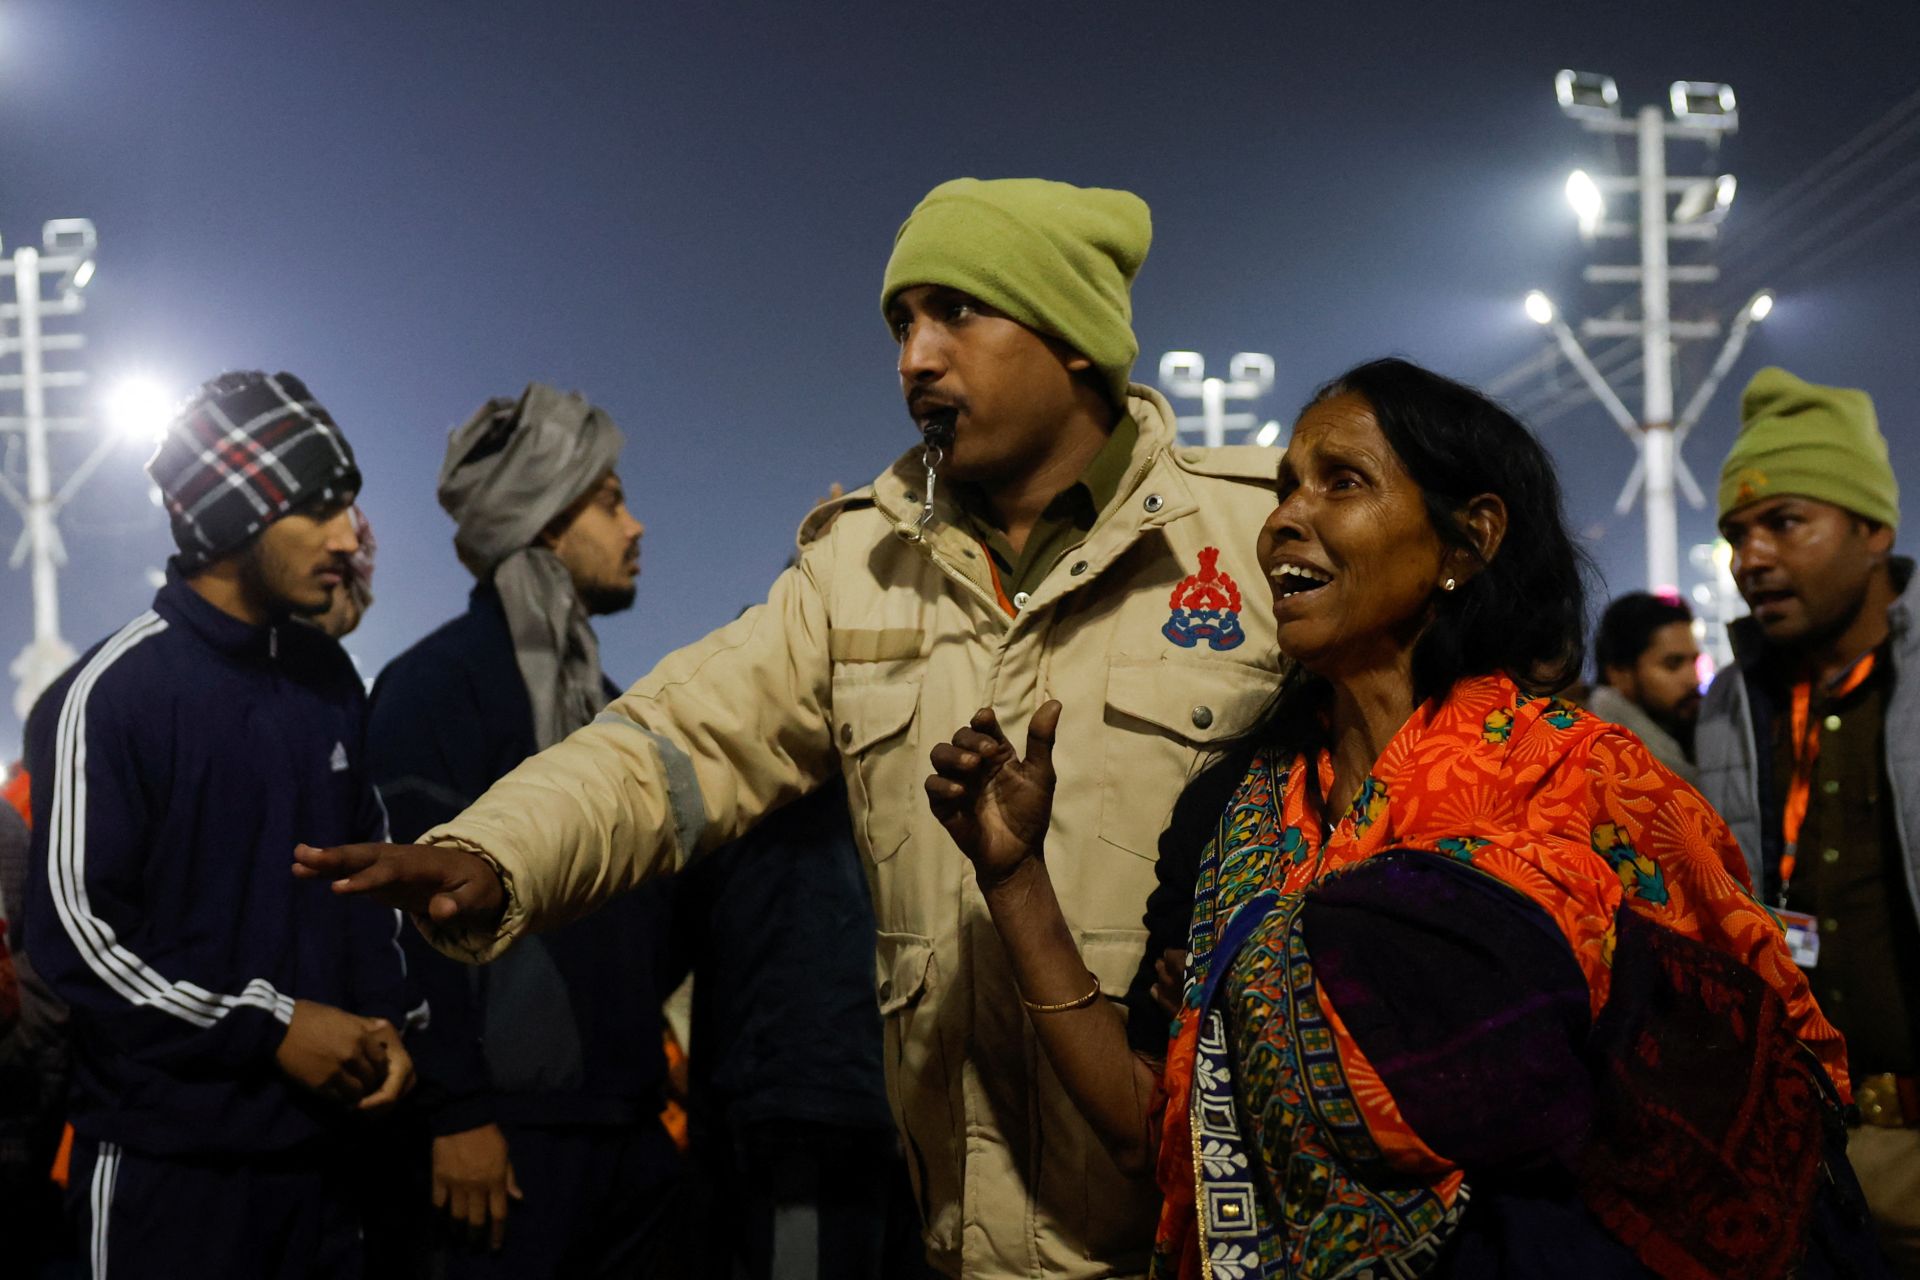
(473, 1183)
(995, 804)
(446, 885)
(353, 1060)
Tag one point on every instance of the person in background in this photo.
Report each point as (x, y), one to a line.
(227, 1023)
(542, 1075)
(1809, 745)
(1648, 663)
(1048, 536)
(355, 594)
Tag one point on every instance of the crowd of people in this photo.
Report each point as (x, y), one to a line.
(1098, 856)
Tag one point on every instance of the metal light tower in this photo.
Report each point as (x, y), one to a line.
(1184, 374)
(1669, 209)
(67, 247)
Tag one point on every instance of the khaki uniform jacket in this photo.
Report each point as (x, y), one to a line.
(1156, 634)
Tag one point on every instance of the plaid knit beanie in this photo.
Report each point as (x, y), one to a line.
(1812, 441)
(246, 449)
(1059, 259)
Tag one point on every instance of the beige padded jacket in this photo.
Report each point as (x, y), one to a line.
(1157, 636)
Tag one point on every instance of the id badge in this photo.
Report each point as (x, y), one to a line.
(1803, 937)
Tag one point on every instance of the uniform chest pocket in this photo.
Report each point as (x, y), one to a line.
(1164, 719)
(871, 723)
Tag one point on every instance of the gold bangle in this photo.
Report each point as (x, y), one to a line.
(1064, 1005)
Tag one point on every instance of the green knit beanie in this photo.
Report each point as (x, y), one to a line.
(1815, 442)
(1059, 259)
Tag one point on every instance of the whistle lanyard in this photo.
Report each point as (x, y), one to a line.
(1806, 752)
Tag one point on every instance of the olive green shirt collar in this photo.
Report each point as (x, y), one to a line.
(1066, 520)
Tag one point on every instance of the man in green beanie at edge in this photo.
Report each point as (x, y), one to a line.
(1809, 745)
(1072, 549)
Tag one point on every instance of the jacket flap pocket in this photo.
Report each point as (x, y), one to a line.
(1203, 702)
(885, 644)
(900, 976)
(868, 712)
(1112, 956)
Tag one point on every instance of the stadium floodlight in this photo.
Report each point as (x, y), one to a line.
(1761, 306)
(1707, 200)
(1539, 308)
(1703, 104)
(83, 274)
(1268, 433)
(138, 410)
(1589, 205)
(1587, 95)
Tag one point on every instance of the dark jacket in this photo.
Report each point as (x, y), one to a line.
(565, 1029)
(175, 766)
(1735, 772)
(779, 930)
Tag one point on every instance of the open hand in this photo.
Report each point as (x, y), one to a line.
(446, 885)
(994, 804)
(473, 1182)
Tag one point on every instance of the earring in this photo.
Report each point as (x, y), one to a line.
(1448, 585)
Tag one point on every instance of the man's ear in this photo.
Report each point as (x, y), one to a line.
(1879, 538)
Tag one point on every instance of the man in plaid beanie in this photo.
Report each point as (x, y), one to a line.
(229, 1023)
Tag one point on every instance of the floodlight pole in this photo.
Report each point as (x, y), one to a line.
(1184, 374)
(1659, 467)
(48, 654)
(1656, 347)
(48, 651)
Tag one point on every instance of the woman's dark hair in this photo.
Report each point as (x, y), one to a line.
(1627, 627)
(1524, 613)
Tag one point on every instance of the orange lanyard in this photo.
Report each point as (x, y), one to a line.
(1806, 751)
(998, 590)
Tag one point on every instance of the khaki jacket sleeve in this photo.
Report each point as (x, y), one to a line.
(718, 734)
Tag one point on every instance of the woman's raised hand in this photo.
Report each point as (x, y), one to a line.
(994, 804)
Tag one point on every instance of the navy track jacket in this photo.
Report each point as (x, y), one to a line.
(174, 768)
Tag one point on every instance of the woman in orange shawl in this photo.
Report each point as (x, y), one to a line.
(1475, 986)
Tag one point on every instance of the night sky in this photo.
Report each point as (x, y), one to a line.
(683, 211)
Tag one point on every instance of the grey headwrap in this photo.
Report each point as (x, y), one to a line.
(508, 472)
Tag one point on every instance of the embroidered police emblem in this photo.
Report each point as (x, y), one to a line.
(1206, 607)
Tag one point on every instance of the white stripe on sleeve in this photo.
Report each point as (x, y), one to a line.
(122, 971)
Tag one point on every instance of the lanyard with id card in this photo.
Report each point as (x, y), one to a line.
(1803, 936)
(1803, 930)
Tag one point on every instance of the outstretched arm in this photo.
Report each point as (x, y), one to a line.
(997, 808)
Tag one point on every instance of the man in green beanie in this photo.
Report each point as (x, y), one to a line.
(1067, 548)
(1810, 746)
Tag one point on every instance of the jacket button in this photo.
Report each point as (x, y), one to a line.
(1079, 567)
(1202, 717)
(1830, 787)
(1830, 724)
(1153, 503)
(1020, 599)
(1829, 856)
(846, 734)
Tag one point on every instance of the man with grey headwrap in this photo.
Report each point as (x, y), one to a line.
(547, 1075)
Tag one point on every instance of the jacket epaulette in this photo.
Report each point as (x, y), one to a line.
(824, 515)
(1228, 462)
